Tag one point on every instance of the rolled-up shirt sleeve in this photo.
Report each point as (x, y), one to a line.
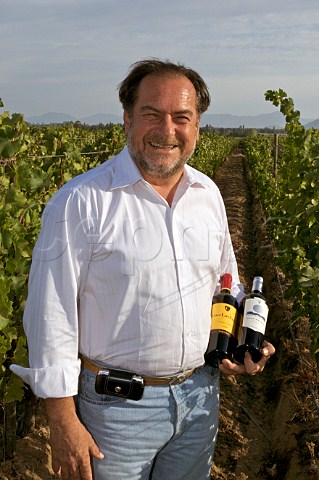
(56, 381)
(59, 266)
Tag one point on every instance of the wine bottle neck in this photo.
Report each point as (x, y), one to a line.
(226, 281)
(225, 290)
(257, 285)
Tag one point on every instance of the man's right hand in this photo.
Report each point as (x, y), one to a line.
(72, 445)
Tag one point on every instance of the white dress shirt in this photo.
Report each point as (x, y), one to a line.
(123, 278)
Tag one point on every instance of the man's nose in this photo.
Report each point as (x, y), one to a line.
(167, 125)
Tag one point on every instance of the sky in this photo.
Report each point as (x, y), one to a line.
(69, 55)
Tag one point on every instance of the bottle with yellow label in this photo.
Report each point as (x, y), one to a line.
(223, 334)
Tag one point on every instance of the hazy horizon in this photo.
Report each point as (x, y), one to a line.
(69, 55)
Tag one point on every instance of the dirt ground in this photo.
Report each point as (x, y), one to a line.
(269, 423)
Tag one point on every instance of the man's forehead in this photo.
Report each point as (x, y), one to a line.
(169, 86)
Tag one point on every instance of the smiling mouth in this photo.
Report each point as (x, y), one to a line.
(162, 147)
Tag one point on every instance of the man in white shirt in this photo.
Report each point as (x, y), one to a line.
(122, 278)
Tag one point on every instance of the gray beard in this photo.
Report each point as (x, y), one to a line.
(158, 170)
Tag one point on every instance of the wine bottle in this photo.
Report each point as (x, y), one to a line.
(253, 323)
(222, 340)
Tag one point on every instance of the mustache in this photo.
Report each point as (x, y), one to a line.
(167, 141)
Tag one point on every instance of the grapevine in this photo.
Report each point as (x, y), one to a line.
(211, 151)
(34, 163)
(291, 204)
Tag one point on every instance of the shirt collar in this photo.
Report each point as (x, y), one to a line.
(196, 178)
(126, 173)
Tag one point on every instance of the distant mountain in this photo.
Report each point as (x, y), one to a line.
(51, 117)
(266, 120)
(313, 124)
(101, 118)
(54, 117)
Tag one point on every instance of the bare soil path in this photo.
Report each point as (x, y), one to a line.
(269, 423)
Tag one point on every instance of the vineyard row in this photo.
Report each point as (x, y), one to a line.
(36, 161)
(290, 197)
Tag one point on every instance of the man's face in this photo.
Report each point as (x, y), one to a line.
(163, 128)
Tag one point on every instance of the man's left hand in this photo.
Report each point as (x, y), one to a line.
(249, 368)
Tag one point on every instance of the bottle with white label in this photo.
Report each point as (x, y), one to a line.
(253, 324)
(222, 340)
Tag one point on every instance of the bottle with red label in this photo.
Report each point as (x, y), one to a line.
(223, 334)
(253, 324)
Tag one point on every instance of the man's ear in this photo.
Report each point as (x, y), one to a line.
(126, 119)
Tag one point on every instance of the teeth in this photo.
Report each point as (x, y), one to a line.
(157, 145)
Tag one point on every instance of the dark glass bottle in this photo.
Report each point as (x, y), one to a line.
(222, 340)
(254, 310)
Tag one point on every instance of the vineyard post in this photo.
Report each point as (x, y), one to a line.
(276, 143)
(9, 430)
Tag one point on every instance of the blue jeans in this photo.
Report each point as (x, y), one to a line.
(169, 434)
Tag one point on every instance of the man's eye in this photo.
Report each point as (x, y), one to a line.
(182, 119)
(151, 116)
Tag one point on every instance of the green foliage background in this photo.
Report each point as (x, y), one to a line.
(291, 202)
(35, 162)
